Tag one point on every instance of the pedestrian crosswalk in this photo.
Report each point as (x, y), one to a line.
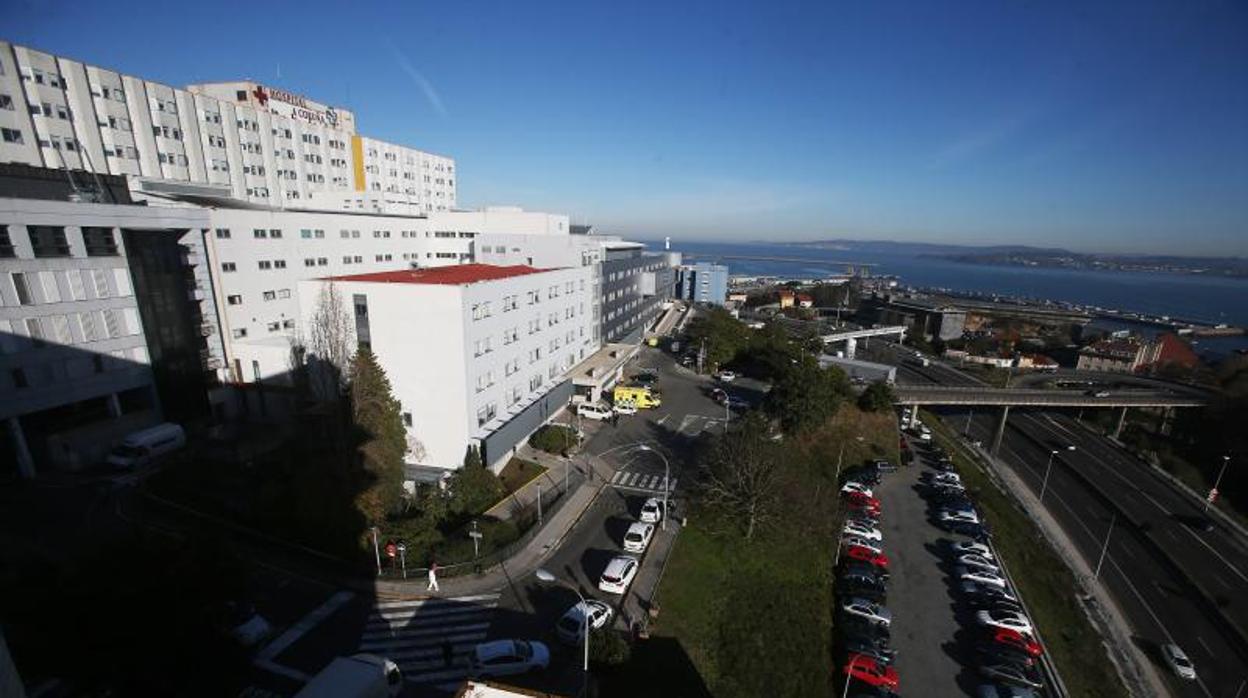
(645, 482)
(415, 634)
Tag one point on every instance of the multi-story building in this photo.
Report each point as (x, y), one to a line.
(475, 353)
(702, 283)
(919, 315)
(231, 140)
(105, 323)
(634, 286)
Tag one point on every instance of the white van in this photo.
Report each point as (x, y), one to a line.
(141, 447)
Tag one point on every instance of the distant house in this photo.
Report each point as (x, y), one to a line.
(787, 299)
(1168, 350)
(805, 301)
(1112, 356)
(1037, 362)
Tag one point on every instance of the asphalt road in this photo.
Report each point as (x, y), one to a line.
(1158, 604)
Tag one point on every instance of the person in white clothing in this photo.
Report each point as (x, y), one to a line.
(433, 577)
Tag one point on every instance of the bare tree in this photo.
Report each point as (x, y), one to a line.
(330, 344)
(741, 474)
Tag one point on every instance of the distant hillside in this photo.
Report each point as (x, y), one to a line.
(921, 248)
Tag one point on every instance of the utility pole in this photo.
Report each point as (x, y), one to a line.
(539, 504)
(376, 551)
(1214, 492)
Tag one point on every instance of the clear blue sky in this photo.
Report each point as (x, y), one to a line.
(1122, 127)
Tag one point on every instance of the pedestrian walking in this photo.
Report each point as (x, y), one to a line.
(447, 653)
(433, 577)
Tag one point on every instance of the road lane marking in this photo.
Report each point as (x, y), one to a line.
(1204, 644)
(298, 630)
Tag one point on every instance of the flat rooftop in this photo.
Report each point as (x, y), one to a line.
(454, 275)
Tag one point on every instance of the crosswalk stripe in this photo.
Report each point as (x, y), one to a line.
(406, 648)
(418, 632)
(436, 600)
(616, 477)
(422, 614)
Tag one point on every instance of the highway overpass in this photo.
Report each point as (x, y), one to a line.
(851, 337)
(909, 395)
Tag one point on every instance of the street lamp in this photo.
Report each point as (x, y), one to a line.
(667, 470)
(849, 675)
(1209, 500)
(545, 577)
(1045, 485)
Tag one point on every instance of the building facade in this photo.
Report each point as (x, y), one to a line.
(77, 338)
(702, 283)
(634, 286)
(475, 353)
(235, 140)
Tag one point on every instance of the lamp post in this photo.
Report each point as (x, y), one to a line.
(667, 471)
(377, 551)
(969, 413)
(849, 674)
(1105, 548)
(1045, 485)
(1209, 500)
(546, 577)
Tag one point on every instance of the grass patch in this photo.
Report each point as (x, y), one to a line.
(1044, 581)
(519, 472)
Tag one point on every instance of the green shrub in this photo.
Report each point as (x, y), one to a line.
(554, 438)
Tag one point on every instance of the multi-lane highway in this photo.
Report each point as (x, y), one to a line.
(1155, 549)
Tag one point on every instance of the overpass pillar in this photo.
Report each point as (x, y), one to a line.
(851, 345)
(914, 414)
(1122, 419)
(999, 435)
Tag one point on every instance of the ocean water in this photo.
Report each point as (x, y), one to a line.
(1188, 296)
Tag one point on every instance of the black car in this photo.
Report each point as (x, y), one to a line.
(997, 653)
(1014, 674)
(866, 474)
(863, 587)
(877, 650)
(989, 603)
(977, 531)
(853, 568)
(646, 379)
(970, 590)
(863, 630)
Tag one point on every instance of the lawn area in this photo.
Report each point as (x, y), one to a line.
(754, 617)
(519, 472)
(1048, 586)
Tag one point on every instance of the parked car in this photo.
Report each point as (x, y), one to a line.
(879, 560)
(979, 561)
(982, 576)
(863, 587)
(618, 574)
(862, 500)
(651, 511)
(995, 690)
(736, 403)
(647, 379)
(1022, 642)
(978, 531)
(853, 486)
(592, 410)
(719, 395)
(1011, 620)
(143, 447)
(1015, 674)
(726, 376)
(863, 608)
(571, 626)
(624, 408)
(947, 516)
(861, 531)
(862, 543)
(508, 657)
(864, 569)
(637, 539)
(877, 650)
(973, 589)
(1178, 661)
(987, 603)
(863, 629)
(870, 672)
(993, 653)
(972, 548)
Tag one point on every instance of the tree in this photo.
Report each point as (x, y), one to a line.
(805, 395)
(724, 336)
(878, 397)
(330, 344)
(473, 487)
(381, 439)
(740, 474)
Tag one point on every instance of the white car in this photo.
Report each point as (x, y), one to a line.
(1009, 620)
(591, 410)
(624, 408)
(971, 574)
(507, 657)
(958, 516)
(726, 376)
(857, 530)
(978, 562)
(652, 511)
(619, 574)
(1179, 662)
(970, 547)
(858, 487)
(873, 612)
(854, 541)
(947, 478)
(637, 539)
(571, 627)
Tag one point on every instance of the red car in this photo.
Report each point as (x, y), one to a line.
(858, 552)
(1018, 641)
(869, 671)
(858, 499)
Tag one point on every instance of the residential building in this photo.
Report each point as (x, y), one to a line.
(475, 353)
(919, 315)
(1168, 350)
(702, 283)
(1112, 355)
(237, 140)
(106, 324)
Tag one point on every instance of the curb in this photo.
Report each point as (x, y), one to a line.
(511, 496)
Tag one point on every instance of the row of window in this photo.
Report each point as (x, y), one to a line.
(275, 326)
(51, 241)
(75, 368)
(70, 328)
(266, 295)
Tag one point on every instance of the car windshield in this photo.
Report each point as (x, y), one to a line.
(1181, 660)
(571, 623)
(632, 536)
(523, 650)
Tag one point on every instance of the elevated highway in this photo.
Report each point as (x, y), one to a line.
(1028, 397)
(851, 337)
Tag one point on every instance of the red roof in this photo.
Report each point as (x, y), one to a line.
(453, 275)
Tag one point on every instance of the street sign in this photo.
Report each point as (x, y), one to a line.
(476, 534)
(1213, 495)
(391, 549)
(402, 547)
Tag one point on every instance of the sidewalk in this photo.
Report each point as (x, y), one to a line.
(636, 605)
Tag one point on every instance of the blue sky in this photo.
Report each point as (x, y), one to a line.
(1119, 127)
